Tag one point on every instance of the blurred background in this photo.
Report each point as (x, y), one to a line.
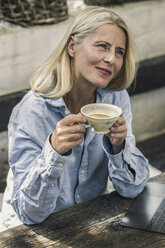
(31, 29)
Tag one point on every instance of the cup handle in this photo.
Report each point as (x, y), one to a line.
(85, 125)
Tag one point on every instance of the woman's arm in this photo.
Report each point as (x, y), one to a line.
(128, 168)
(38, 176)
(38, 169)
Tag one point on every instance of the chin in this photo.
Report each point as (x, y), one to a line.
(102, 85)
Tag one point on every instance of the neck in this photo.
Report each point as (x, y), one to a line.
(78, 97)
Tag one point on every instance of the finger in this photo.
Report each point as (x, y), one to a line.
(117, 123)
(118, 135)
(71, 144)
(62, 130)
(63, 143)
(119, 129)
(64, 147)
(121, 120)
(73, 119)
(71, 137)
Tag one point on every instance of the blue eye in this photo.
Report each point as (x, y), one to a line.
(104, 46)
(120, 53)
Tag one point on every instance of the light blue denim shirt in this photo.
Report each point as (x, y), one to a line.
(45, 181)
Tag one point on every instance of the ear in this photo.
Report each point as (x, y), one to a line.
(71, 47)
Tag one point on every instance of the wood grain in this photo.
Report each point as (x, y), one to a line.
(93, 224)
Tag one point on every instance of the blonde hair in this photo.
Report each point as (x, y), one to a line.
(55, 77)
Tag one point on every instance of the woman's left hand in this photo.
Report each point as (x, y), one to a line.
(117, 134)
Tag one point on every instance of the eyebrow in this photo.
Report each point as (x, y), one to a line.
(122, 48)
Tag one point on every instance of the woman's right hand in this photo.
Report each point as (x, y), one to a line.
(68, 133)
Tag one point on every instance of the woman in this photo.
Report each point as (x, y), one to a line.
(55, 161)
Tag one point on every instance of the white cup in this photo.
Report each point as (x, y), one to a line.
(101, 116)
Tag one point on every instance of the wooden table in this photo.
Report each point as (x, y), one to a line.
(91, 224)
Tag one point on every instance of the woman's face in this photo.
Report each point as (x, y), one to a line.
(99, 57)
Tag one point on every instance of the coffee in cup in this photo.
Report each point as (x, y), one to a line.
(101, 116)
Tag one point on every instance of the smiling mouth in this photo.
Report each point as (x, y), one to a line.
(104, 71)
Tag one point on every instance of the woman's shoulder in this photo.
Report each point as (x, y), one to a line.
(29, 109)
(29, 101)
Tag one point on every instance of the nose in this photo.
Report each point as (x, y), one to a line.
(109, 57)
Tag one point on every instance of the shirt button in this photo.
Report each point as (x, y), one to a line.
(53, 184)
(66, 112)
(60, 164)
(82, 171)
(78, 196)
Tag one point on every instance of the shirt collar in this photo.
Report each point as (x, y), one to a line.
(104, 95)
(56, 102)
(101, 96)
